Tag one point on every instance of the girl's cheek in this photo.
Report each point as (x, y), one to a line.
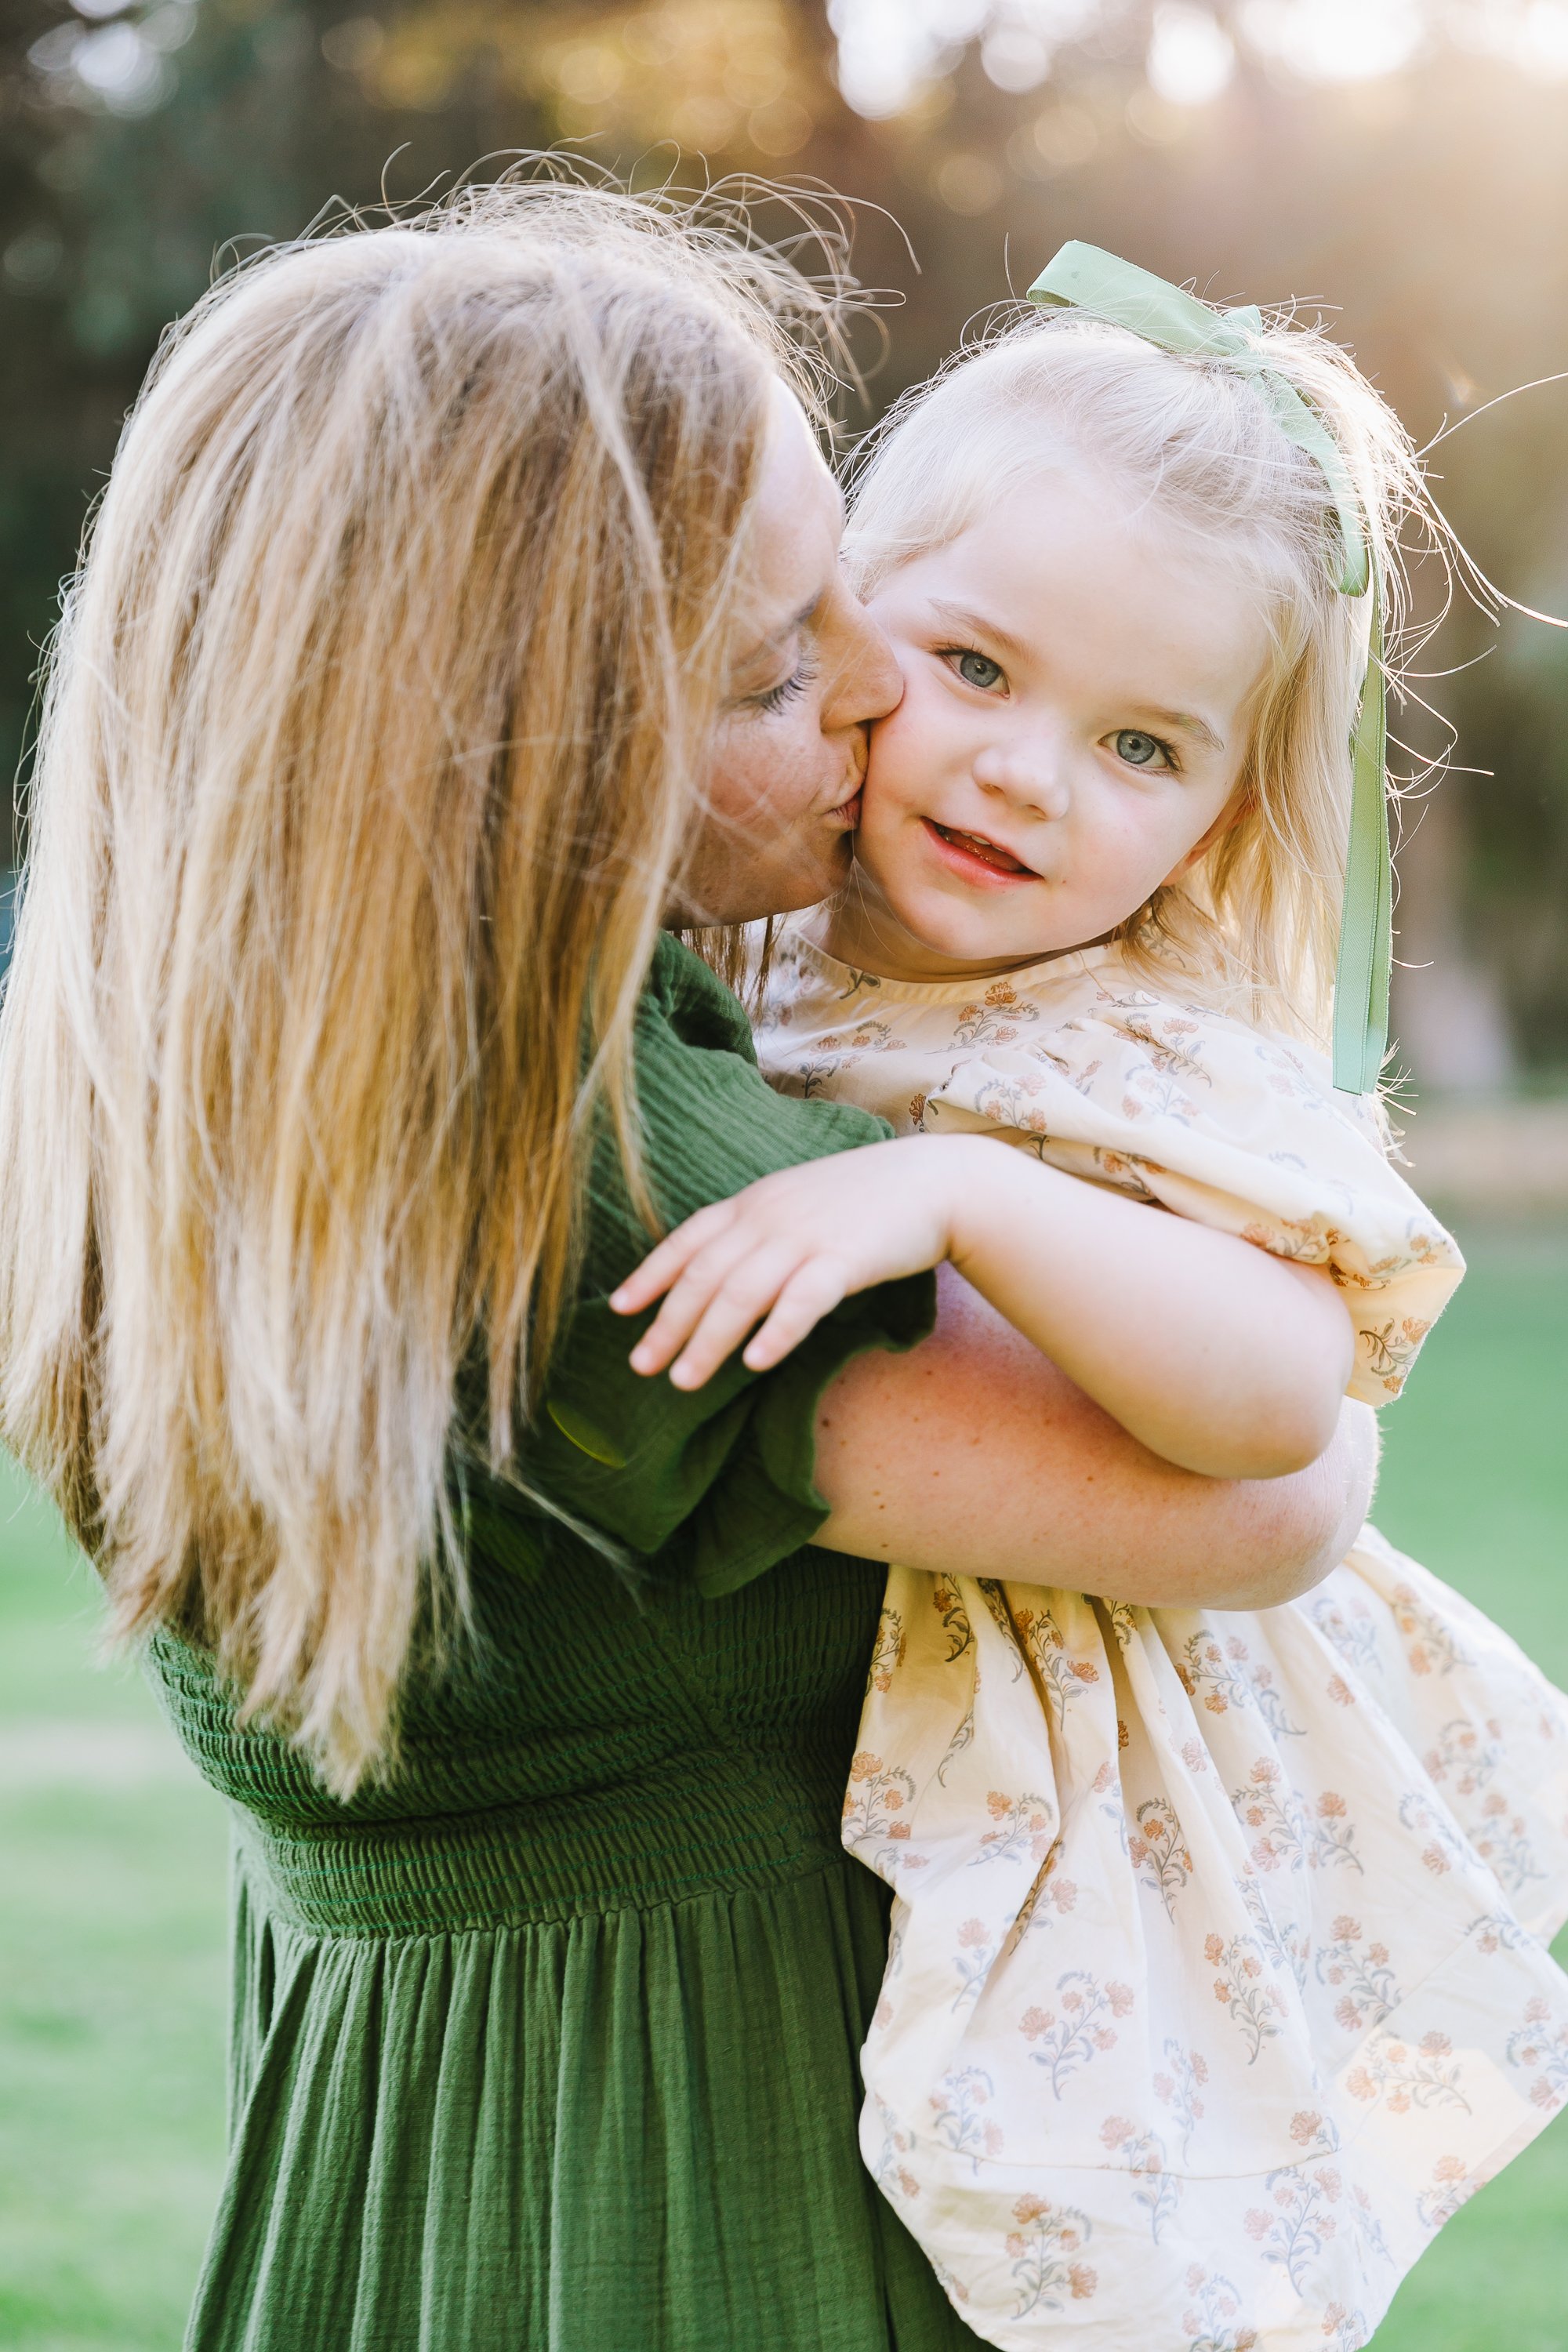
(881, 822)
(907, 749)
(888, 760)
(882, 842)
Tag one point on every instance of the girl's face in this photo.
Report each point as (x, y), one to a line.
(1072, 732)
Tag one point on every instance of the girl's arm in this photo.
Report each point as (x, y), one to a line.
(1211, 1353)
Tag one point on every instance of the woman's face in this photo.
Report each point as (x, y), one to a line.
(811, 671)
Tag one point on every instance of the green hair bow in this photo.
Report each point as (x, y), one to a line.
(1082, 277)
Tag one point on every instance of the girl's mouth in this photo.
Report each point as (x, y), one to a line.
(970, 854)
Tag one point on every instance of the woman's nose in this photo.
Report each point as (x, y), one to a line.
(1029, 783)
(865, 679)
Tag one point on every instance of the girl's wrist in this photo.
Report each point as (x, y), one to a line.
(991, 1182)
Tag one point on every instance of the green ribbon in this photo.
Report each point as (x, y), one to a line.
(1082, 277)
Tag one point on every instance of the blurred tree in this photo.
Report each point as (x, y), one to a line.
(1404, 159)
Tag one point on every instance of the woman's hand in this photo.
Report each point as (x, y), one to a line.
(785, 1252)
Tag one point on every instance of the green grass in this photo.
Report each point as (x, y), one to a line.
(111, 1895)
(112, 1978)
(1475, 1483)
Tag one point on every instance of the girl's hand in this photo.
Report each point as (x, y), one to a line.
(787, 1249)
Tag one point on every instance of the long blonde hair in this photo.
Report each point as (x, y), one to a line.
(371, 748)
(1256, 923)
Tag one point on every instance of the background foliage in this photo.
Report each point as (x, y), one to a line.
(1406, 161)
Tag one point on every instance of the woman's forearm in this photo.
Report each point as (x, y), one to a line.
(976, 1455)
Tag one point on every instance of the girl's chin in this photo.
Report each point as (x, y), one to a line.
(957, 952)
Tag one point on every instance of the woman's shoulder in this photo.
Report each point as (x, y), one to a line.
(685, 1003)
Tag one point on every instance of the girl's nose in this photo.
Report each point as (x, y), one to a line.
(1027, 783)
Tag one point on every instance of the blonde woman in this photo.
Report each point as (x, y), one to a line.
(463, 609)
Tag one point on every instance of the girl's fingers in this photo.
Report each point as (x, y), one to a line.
(733, 1310)
(688, 1297)
(813, 1291)
(667, 1258)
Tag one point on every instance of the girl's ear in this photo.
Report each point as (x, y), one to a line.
(1240, 804)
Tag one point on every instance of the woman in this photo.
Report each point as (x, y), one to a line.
(463, 608)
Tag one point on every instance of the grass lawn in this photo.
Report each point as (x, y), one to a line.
(112, 1864)
(1475, 1483)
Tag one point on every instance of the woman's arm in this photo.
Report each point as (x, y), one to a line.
(1215, 1355)
(972, 1453)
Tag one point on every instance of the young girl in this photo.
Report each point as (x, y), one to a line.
(1215, 1983)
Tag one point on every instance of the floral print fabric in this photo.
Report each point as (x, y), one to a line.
(1080, 1063)
(1217, 1982)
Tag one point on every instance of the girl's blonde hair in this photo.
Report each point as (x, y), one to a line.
(371, 754)
(1193, 442)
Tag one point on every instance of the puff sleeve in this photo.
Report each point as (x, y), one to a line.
(1239, 1130)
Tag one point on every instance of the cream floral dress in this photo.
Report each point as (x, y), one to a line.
(1217, 1982)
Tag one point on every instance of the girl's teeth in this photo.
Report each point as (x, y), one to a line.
(984, 848)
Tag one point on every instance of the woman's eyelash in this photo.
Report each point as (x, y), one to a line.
(788, 689)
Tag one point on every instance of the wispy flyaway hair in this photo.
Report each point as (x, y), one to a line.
(1192, 441)
(372, 747)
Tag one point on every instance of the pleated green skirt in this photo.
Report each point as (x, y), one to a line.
(553, 2043)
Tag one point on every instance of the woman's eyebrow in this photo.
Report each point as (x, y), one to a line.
(796, 620)
(766, 647)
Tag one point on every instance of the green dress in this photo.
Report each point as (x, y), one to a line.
(550, 2042)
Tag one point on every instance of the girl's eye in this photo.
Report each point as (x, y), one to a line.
(975, 669)
(1141, 750)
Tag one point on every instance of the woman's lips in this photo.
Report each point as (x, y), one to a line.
(975, 857)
